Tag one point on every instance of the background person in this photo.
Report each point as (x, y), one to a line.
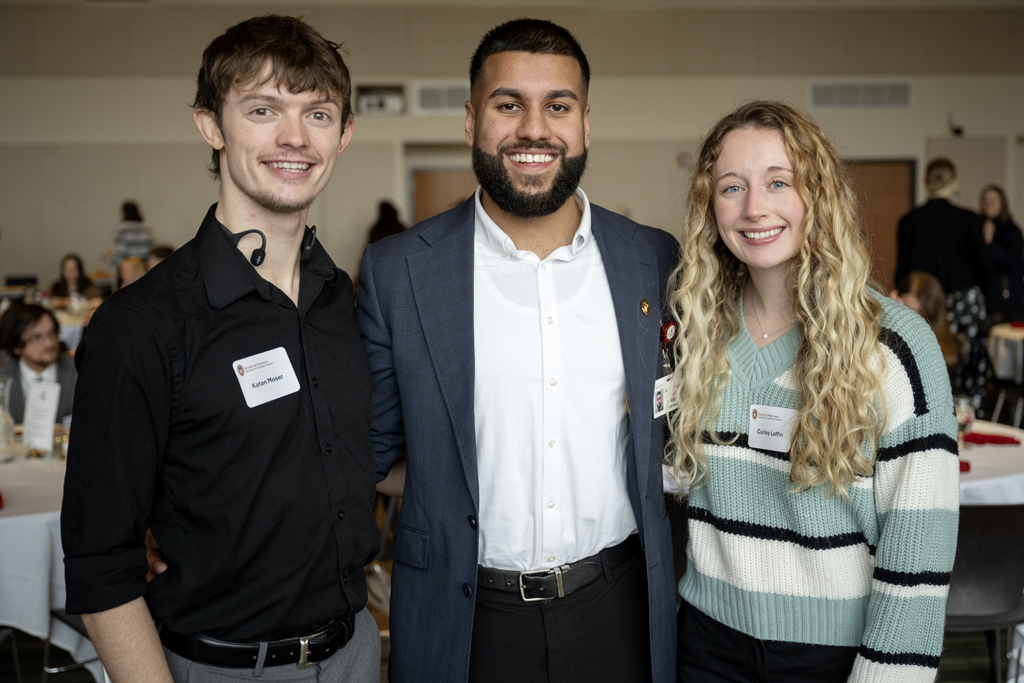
(158, 254)
(823, 530)
(73, 281)
(942, 239)
(30, 346)
(133, 237)
(130, 270)
(1004, 295)
(922, 293)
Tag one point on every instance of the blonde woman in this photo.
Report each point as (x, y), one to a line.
(815, 424)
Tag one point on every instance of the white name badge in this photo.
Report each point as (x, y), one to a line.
(40, 415)
(265, 377)
(664, 396)
(771, 428)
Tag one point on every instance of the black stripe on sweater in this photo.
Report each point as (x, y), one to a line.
(771, 533)
(899, 346)
(925, 443)
(912, 578)
(904, 658)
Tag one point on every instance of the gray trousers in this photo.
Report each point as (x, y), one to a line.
(357, 662)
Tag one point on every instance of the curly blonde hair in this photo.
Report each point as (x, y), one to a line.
(837, 370)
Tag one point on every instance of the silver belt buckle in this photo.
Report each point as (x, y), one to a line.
(557, 571)
(304, 650)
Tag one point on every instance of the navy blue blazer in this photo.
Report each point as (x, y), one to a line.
(415, 310)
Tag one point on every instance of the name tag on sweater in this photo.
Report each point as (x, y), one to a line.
(265, 376)
(771, 428)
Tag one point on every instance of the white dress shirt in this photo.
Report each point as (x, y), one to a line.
(28, 376)
(550, 401)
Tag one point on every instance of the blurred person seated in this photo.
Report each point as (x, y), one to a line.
(130, 270)
(1004, 295)
(923, 294)
(387, 223)
(74, 285)
(30, 346)
(158, 254)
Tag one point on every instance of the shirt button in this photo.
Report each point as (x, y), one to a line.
(551, 558)
(543, 266)
(467, 590)
(472, 521)
(315, 384)
(344, 580)
(329, 447)
(551, 503)
(341, 514)
(551, 444)
(551, 321)
(552, 381)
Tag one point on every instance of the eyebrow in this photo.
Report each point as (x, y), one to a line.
(518, 94)
(770, 169)
(274, 98)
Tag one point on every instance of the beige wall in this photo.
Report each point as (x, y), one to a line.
(94, 105)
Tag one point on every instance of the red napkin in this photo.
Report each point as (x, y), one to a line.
(1019, 323)
(998, 439)
(965, 466)
(1, 502)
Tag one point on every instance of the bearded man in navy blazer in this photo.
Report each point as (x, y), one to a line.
(514, 343)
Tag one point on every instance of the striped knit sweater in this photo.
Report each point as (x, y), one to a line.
(872, 571)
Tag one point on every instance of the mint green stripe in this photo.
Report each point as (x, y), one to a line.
(777, 617)
(918, 540)
(906, 625)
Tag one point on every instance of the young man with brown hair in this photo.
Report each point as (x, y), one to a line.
(224, 404)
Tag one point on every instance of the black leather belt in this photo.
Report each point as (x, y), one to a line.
(557, 582)
(304, 651)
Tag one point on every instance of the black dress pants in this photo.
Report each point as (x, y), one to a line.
(711, 652)
(600, 632)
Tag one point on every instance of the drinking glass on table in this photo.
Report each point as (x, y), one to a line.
(964, 407)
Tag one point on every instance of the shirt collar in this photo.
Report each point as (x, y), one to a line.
(49, 373)
(497, 241)
(228, 275)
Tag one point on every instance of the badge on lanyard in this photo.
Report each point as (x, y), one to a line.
(771, 428)
(265, 376)
(664, 395)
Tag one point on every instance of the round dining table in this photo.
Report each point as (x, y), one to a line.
(996, 475)
(31, 556)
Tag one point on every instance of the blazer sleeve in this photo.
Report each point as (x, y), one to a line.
(387, 427)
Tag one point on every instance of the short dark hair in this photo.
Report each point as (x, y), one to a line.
(15, 320)
(537, 36)
(130, 212)
(300, 59)
(161, 251)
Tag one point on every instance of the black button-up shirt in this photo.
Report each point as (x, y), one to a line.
(264, 514)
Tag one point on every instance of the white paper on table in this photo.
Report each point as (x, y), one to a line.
(40, 415)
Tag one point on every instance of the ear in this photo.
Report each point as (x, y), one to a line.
(346, 135)
(470, 123)
(586, 127)
(206, 122)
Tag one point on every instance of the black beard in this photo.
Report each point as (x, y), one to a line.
(497, 183)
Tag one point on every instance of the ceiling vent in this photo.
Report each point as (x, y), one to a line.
(440, 98)
(860, 95)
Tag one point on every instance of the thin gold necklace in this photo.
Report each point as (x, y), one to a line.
(765, 335)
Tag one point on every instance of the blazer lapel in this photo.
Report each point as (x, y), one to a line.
(632, 271)
(442, 286)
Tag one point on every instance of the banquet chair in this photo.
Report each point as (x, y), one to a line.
(986, 589)
(6, 633)
(75, 622)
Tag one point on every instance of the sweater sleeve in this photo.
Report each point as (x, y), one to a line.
(916, 490)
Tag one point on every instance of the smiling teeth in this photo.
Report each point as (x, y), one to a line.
(289, 165)
(762, 235)
(532, 158)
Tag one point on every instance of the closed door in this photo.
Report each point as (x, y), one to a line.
(885, 190)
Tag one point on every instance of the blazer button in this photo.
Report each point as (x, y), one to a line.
(467, 590)
(472, 521)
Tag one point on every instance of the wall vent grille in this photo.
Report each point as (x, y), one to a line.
(440, 98)
(860, 95)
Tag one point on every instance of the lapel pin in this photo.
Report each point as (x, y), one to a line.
(644, 306)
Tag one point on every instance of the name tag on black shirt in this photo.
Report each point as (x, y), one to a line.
(265, 376)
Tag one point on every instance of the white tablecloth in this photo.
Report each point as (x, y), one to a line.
(31, 557)
(997, 472)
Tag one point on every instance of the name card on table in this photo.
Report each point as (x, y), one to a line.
(40, 415)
